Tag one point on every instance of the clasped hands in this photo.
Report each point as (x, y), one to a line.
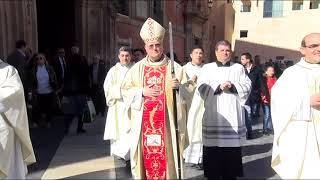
(151, 91)
(225, 86)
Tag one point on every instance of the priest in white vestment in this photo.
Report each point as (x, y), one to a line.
(295, 105)
(193, 154)
(193, 69)
(117, 124)
(216, 109)
(16, 151)
(148, 90)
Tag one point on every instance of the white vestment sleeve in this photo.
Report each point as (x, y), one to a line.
(195, 114)
(288, 101)
(132, 93)
(14, 121)
(290, 110)
(2, 108)
(243, 86)
(196, 111)
(137, 100)
(112, 90)
(205, 85)
(11, 88)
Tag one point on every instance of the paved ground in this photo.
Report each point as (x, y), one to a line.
(45, 143)
(86, 156)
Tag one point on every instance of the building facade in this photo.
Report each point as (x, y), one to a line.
(273, 29)
(101, 26)
(188, 18)
(47, 25)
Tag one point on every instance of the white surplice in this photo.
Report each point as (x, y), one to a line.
(193, 153)
(221, 114)
(295, 148)
(16, 151)
(117, 124)
(192, 70)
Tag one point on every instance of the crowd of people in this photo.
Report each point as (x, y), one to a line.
(171, 114)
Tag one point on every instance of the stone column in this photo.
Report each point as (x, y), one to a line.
(18, 20)
(94, 28)
(188, 29)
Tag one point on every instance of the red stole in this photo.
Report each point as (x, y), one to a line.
(154, 125)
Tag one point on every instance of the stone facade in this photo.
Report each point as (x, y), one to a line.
(188, 19)
(93, 26)
(100, 28)
(273, 33)
(18, 20)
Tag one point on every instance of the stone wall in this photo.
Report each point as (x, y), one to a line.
(18, 20)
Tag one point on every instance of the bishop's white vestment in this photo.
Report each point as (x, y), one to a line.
(16, 151)
(144, 73)
(117, 124)
(296, 125)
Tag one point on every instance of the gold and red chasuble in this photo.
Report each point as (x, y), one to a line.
(153, 125)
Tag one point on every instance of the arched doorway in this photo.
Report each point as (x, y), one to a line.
(56, 24)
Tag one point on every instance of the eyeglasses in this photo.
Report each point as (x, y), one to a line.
(39, 58)
(154, 46)
(312, 46)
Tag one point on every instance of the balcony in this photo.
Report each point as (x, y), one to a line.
(198, 9)
(274, 13)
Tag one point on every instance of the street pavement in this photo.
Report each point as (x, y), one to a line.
(87, 156)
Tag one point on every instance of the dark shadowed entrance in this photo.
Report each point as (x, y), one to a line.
(56, 24)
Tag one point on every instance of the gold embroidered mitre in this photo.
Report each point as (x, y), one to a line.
(152, 32)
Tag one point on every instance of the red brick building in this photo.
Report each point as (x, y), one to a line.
(129, 21)
(102, 26)
(188, 19)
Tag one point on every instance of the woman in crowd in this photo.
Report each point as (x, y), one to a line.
(267, 82)
(44, 87)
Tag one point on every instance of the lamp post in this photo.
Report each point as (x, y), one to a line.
(210, 3)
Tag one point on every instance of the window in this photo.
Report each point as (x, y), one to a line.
(297, 4)
(314, 4)
(246, 6)
(197, 41)
(158, 11)
(142, 8)
(273, 8)
(198, 5)
(122, 6)
(279, 58)
(243, 33)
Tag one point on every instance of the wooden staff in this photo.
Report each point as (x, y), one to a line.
(174, 92)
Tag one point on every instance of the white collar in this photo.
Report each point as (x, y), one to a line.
(306, 64)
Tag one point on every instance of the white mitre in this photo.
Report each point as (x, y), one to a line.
(152, 32)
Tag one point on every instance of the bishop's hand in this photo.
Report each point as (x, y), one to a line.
(315, 101)
(175, 83)
(150, 91)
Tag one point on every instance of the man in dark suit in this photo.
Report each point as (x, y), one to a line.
(98, 73)
(254, 98)
(18, 60)
(76, 87)
(59, 65)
